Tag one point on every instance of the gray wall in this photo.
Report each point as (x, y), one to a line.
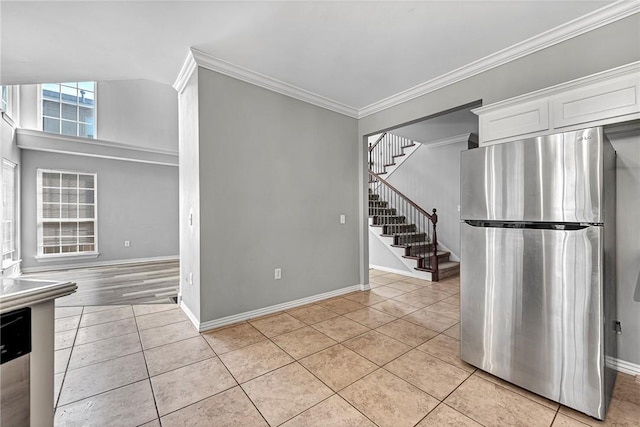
(138, 112)
(607, 47)
(431, 178)
(275, 175)
(380, 254)
(136, 202)
(627, 146)
(135, 112)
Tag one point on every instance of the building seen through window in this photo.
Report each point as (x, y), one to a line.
(69, 108)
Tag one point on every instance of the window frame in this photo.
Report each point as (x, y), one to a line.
(11, 110)
(6, 263)
(40, 255)
(4, 101)
(40, 113)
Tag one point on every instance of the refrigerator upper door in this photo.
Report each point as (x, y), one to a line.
(531, 310)
(555, 178)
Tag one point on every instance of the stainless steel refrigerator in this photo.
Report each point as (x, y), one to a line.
(538, 265)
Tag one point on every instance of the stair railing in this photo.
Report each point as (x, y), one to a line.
(400, 205)
(385, 149)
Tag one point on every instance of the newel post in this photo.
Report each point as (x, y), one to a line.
(436, 268)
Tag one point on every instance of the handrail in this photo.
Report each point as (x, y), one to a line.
(397, 203)
(372, 146)
(408, 200)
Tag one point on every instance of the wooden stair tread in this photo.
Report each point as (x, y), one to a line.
(449, 265)
(423, 255)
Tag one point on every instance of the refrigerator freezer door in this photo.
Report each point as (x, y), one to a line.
(531, 310)
(555, 178)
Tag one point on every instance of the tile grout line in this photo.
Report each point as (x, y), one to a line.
(104, 392)
(252, 403)
(271, 339)
(555, 416)
(516, 393)
(144, 357)
(336, 393)
(104, 360)
(171, 342)
(440, 402)
(216, 355)
(66, 368)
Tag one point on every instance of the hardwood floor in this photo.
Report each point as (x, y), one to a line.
(144, 283)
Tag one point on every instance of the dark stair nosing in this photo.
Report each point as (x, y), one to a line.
(444, 268)
(441, 256)
(409, 237)
(389, 219)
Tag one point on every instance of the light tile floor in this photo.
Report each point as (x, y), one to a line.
(386, 357)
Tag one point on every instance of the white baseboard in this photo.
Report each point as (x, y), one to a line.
(190, 315)
(224, 321)
(417, 275)
(623, 366)
(100, 264)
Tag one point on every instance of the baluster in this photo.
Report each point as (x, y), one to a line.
(436, 268)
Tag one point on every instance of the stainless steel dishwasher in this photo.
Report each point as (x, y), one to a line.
(15, 346)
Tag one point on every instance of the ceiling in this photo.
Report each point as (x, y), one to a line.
(354, 53)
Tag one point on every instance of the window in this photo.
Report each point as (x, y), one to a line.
(67, 212)
(4, 101)
(69, 108)
(8, 212)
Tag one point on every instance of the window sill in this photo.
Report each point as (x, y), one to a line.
(60, 257)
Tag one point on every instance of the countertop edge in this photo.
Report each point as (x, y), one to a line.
(18, 300)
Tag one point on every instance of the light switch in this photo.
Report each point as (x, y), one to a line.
(343, 219)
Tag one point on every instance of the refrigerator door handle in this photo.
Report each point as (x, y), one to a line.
(532, 225)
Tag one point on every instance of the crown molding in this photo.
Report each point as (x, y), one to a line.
(218, 65)
(589, 22)
(447, 141)
(189, 66)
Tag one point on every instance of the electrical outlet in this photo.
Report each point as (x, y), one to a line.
(278, 274)
(343, 219)
(127, 243)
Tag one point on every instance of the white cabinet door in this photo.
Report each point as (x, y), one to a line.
(515, 120)
(612, 98)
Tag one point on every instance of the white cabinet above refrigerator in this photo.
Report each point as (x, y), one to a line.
(612, 96)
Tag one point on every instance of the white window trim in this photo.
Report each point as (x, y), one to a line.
(73, 255)
(13, 104)
(8, 96)
(95, 112)
(6, 264)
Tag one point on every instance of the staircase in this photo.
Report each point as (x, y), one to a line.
(386, 152)
(409, 229)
